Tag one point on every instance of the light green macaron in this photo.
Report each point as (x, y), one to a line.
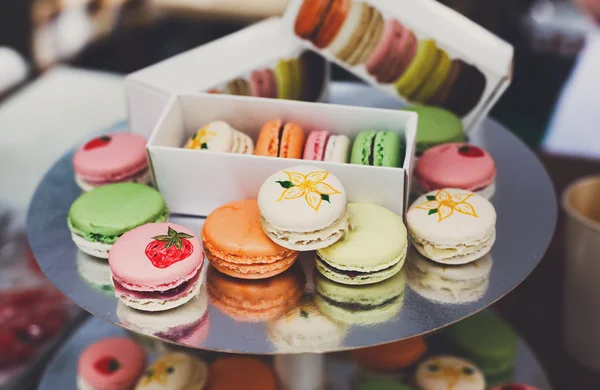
(360, 305)
(373, 250)
(377, 148)
(436, 126)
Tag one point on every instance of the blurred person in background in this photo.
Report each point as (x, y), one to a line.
(575, 126)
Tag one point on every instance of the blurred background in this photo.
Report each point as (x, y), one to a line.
(65, 59)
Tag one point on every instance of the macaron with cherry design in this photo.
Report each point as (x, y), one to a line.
(113, 363)
(156, 266)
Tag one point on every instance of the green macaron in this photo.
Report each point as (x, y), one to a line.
(372, 251)
(288, 74)
(486, 340)
(381, 384)
(378, 148)
(105, 213)
(436, 126)
(360, 305)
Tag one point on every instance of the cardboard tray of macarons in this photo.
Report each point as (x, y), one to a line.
(277, 177)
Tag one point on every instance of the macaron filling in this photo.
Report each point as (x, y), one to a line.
(353, 273)
(114, 177)
(171, 294)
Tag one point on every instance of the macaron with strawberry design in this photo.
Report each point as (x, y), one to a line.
(110, 364)
(156, 266)
(111, 158)
(457, 165)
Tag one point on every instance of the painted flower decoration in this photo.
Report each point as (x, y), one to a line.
(159, 372)
(311, 186)
(200, 139)
(444, 204)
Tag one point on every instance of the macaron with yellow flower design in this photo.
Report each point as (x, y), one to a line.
(448, 372)
(303, 208)
(452, 226)
(174, 371)
(219, 136)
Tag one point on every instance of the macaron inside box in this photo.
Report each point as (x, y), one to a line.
(156, 266)
(280, 139)
(111, 158)
(322, 145)
(378, 148)
(219, 136)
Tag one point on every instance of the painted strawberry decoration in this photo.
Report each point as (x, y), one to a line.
(107, 365)
(97, 142)
(470, 151)
(166, 250)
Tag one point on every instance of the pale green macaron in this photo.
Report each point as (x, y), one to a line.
(373, 250)
(360, 305)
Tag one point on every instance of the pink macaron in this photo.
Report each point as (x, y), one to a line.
(263, 83)
(393, 54)
(156, 266)
(111, 364)
(111, 158)
(322, 145)
(515, 386)
(457, 165)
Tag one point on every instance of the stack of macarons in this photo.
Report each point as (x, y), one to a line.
(356, 34)
(295, 78)
(219, 136)
(111, 158)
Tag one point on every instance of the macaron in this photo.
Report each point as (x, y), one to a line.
(462, 90)
(322, 145)
(487, 341)
(112, 363)
(515, 386)
(219, 136)
(381, 384)
(314, 76)
(448, 372)
(377, 148)
(457, 165)
(95, 272)
(392, 356)
(359, 34)
(241, 372)
(452, 226)
(111, 158)
(263, 83)
(436, 126)
(156, 266)
(279, 139)
(288, 75)
(242, 249)
(420, 68)
(99, 217)
(304, 329)
(239, 86)
(174, 371)
(360, 305)
(393, 54)
(303, 208)
(453, 284)
(187, 324)
(255, 300)
(373, 250)
(319, 21)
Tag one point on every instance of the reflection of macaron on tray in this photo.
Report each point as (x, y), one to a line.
(303, 77)
(416, 51)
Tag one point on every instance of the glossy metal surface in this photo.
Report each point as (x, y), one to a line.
(62, 370)
(526, 207)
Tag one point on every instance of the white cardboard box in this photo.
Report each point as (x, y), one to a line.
(459, 36)
(197, 182)
(198, 70)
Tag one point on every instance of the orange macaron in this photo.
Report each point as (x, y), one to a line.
(320, 20)
(255, 300)
(392, 356)
(240, 372)
(236, 245)
(278, 139)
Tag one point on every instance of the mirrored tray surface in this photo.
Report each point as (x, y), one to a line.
(297, 311)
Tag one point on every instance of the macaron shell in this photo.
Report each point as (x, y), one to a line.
(268, 139)
(119, 157)
(316, 143)
(263, 83)
(446, 166)
(217, 136)
(292, 141)
(174, 371)
(309, 17)
(251, 271)
(332, 23)
(391, 356)
(436, 126)
(239, 87)
(132, 268)
(241, 373)
(93, 366)
(337, 149)
(286, 204)
(356, 278)
(435, 79)
(362, 148)
(419, 69)
(449, 372)
(370, 38)
(283, 76)
(387, 149)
